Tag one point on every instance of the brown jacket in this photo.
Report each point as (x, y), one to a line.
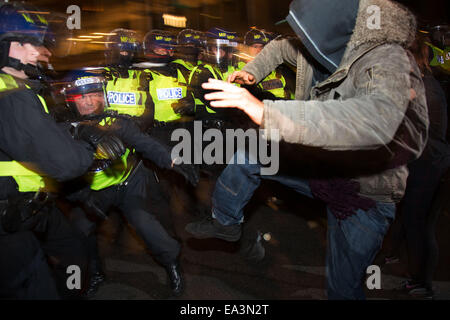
(364, 104)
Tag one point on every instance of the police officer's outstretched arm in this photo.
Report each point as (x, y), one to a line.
(31, 136)
(152, 149)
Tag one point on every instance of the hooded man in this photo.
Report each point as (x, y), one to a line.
(358, 92)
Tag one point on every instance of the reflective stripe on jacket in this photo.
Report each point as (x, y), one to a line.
(123, 94)
(26, 179)
(164, 91)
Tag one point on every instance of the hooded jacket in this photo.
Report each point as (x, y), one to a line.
(374, 99)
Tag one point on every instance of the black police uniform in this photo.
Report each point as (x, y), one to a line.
(131, 196)
(29, 135)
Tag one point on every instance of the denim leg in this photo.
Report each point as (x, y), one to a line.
(299, 185)
(237, 184)
(352, 246)
(234, 189)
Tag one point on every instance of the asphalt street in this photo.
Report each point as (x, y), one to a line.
(281, 255)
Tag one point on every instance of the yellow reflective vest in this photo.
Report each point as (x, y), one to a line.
(114, 173)
(217, 74)
(165, 90)
(275, 84)
(27, 180)
(125, 95)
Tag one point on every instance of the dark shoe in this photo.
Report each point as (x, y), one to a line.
(252, 247)
(422, 292)
(211, 228)
(408, 285)
(175, 279)
(94, 283)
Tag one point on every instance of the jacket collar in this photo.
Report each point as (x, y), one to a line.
(397, 26)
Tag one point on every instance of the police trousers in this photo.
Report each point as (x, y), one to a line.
(131, 198)
(25, 271)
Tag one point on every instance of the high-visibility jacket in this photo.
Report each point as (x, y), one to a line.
(108, 173)
(27, 180)
(126, 95)
(216, 73)
(165, 90)
(441, 58)
(274, 83)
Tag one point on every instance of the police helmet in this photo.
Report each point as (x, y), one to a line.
(220, 45)
(80, 82)
(156, 40)
(122, 46)
(22, 23)
(257, 36)
(189, 44)
(190, 36)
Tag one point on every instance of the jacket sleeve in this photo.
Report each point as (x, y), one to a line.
(274, 54)
(364, 114)
(31, 136)
(149, 147)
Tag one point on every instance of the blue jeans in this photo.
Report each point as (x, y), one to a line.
(352, 243)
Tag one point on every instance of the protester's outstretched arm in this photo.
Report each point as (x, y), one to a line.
(231, 96)
(274, 53)
(368, 120)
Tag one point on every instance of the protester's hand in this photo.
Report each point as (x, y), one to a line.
(231, 96)
(107, 145)
(188, 171)
(241, 77)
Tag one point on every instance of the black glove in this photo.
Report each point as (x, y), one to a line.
(107, 145)
(184, 106)
(188, 171)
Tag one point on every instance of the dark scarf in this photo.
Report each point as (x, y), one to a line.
(341, 196)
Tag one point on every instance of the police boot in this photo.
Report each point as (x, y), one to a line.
(175, 278)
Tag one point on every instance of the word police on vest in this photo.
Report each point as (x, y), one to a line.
(169, 93)
(128, 98)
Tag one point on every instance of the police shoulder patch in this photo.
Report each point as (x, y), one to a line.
(272, 84)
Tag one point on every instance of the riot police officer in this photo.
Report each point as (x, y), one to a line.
(127, 87)
(35, 155)
(172, 101)
(218, 62)
(189, 45)
(280, 83)
(122, 183)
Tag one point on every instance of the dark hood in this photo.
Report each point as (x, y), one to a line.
(324, 27)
